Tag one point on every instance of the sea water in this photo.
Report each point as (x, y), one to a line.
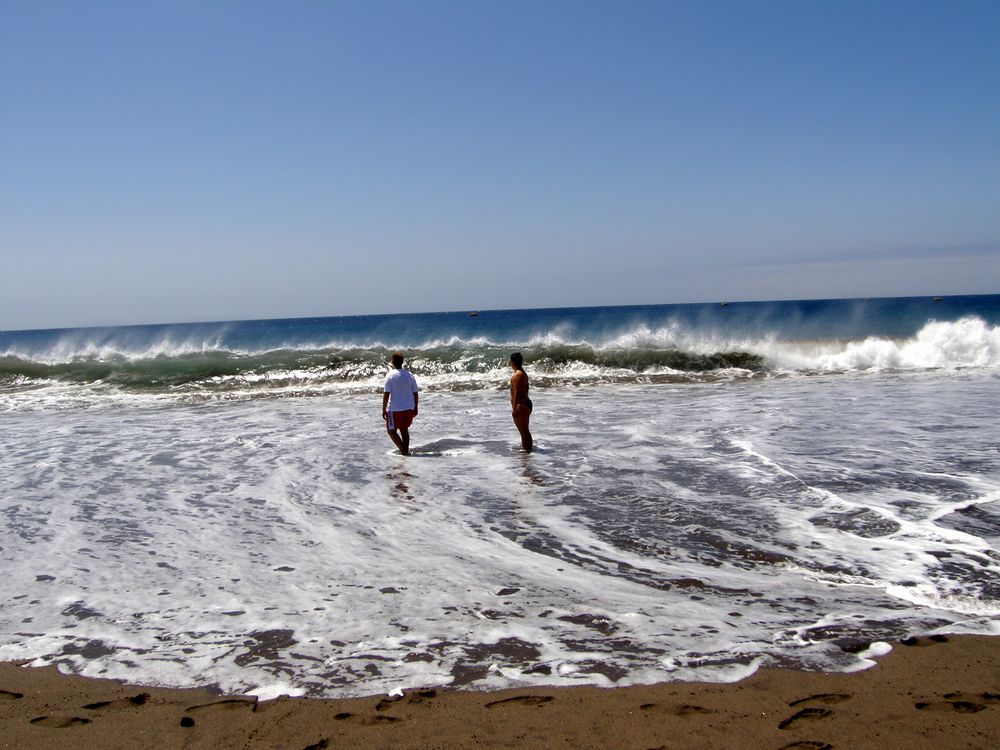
(715, 488)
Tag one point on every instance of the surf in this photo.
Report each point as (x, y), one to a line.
(452, 352)
(642, 356)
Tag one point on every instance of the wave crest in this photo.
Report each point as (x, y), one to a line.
(968, 342)
(667, 354)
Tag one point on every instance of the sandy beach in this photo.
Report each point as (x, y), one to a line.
(940, 692)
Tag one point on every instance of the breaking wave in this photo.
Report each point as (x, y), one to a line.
(667, 354)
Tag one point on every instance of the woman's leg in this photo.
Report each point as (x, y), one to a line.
(521, 416)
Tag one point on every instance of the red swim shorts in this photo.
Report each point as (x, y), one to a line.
(400, 420)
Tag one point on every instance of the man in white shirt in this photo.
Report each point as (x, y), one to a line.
(399, 404)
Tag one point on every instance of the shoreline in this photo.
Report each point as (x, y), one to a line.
(930, 692)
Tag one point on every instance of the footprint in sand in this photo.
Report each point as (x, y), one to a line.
(822, 699)
(229, 704)
(366, 720)
(806, 714)
(682, 710)
(60, 722)
(807, 745)
(813, 710)
(930, 640)
(6, 695)
(984, 697)
(421, 696)
(417, 696)
(960, 703)
(524, 700)
(135, 700)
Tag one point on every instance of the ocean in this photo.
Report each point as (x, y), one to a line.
(715, 488)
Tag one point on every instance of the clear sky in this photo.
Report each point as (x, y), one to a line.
(180, 161)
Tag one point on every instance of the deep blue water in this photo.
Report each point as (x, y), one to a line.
(796, 319)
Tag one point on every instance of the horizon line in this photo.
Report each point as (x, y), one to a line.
(470, 311)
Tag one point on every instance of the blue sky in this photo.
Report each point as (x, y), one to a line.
(179, 161)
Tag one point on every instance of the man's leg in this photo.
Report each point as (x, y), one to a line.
(394, 436)
(405, 447)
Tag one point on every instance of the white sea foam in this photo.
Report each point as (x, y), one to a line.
(969, 342)
(659, 532)
(866, 658)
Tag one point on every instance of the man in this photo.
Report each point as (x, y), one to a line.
(399, 404)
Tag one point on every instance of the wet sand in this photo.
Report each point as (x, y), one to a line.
(927, 693)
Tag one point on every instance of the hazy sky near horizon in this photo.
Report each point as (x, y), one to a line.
(181, 161)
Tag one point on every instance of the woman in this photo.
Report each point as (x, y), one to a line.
(520, 404)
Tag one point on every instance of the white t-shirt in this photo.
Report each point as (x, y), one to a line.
(400, 385)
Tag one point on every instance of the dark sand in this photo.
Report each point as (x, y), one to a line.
(933, 693)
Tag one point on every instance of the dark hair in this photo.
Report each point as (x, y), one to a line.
(518, 360)
(397, 359)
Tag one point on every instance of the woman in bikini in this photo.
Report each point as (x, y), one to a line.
(520, 404)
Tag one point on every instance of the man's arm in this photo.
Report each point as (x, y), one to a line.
(416, 402)
(385, 404)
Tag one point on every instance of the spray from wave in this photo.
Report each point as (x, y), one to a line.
(968, 342)
(203, 368)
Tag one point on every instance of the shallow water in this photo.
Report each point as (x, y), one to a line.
(659, 532)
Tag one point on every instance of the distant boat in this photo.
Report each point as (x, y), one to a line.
(936, 299)
(723, 304)
(474, 314)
